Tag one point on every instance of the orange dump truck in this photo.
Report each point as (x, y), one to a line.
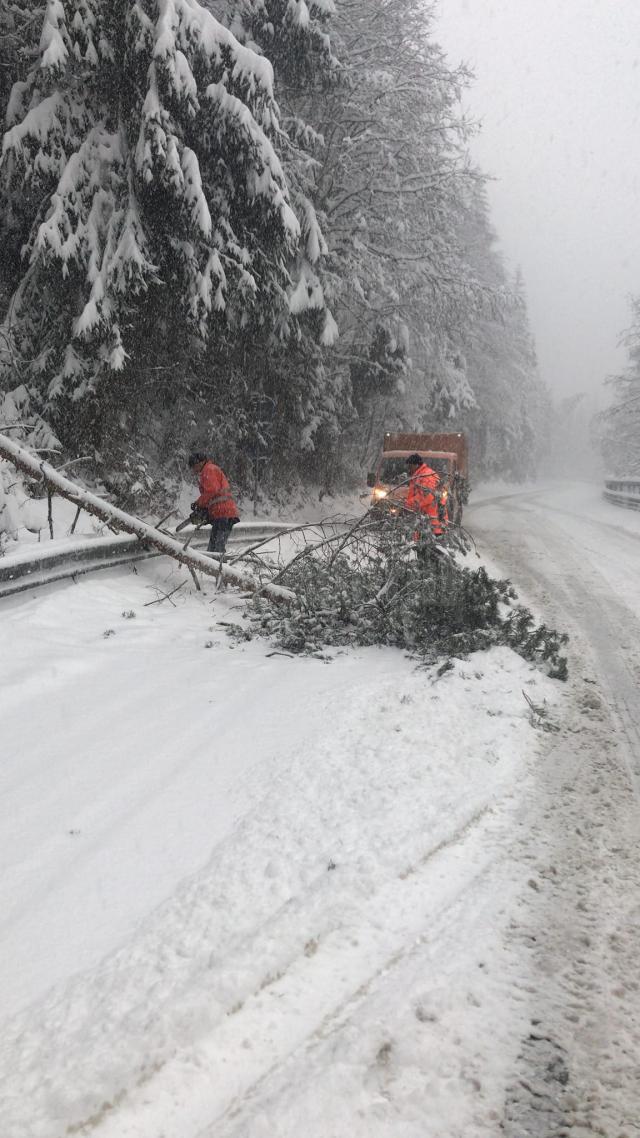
(444, 452)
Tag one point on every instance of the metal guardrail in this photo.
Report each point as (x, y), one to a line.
(34, 567)
(623, 492)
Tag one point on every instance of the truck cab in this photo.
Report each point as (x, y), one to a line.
(390, 482)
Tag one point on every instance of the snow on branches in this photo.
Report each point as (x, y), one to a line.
(375, 585)
(144, 137)
(18, 418)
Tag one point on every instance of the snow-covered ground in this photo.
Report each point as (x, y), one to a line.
(248, 895)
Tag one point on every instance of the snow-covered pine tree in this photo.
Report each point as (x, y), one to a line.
(284, 356)
(620, 423)
(451, 396)
(498, 395)
(153, 204)
(293, 34)
(20, 22)
(393, 168)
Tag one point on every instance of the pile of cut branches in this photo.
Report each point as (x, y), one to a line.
(377, 584)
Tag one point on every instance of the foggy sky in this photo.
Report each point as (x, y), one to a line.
(558, 89)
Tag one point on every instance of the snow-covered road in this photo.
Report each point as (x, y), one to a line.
(250, 896)
(576, 561)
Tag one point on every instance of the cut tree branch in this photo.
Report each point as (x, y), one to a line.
(117, 519)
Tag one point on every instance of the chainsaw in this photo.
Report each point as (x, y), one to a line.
(196, 518)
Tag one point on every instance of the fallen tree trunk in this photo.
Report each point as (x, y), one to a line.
(56, 483)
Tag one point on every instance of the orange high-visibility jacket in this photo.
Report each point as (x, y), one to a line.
(215, 493)
(420, 496)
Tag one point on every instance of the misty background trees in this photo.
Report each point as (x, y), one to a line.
(619, 425)
(251, 226)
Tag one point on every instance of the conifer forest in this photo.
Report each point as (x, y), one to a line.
(254, 226)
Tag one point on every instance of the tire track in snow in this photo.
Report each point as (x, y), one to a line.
(167, 991)
(581, 920)
(201, 1088)
(578, 598)
(196, 958)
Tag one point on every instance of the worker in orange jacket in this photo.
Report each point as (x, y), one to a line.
(215, 503)
(422, 496)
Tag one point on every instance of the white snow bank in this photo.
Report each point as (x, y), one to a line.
(209, 852)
